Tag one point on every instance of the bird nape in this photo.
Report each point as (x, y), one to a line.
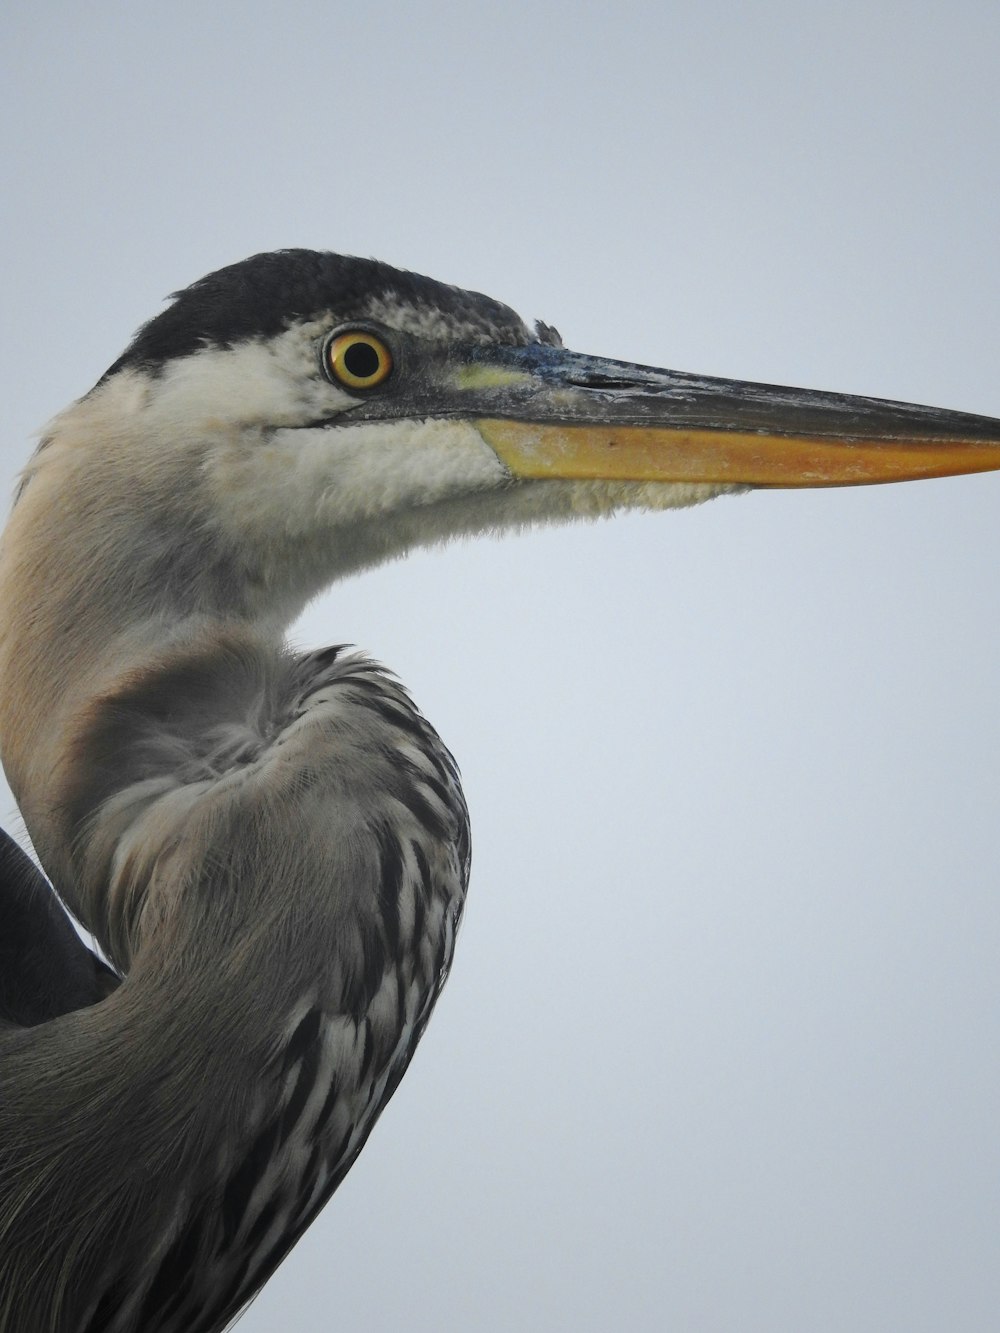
(272, 849)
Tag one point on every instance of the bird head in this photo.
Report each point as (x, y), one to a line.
(299, 415)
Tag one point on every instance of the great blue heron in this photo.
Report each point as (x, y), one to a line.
(272, 849)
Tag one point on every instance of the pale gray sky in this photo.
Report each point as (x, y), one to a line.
(719, 1051)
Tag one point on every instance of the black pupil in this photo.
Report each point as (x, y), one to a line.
(361, 360)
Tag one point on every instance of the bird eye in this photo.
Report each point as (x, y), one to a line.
(358, 359)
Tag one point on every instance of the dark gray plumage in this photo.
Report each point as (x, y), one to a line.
(45, 968)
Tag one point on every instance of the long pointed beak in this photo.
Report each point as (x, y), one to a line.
(550, 413)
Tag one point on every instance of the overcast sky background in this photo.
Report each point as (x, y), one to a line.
(720, 1047)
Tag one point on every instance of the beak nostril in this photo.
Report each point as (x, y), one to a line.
(598, 381)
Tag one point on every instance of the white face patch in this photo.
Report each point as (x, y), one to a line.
(269, 383)
(308, 483)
